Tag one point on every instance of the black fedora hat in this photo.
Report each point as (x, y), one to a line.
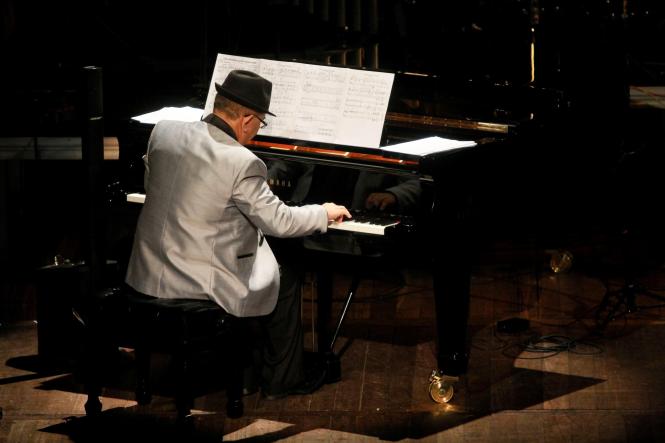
(248, 89)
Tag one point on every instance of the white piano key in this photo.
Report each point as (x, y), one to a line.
(136, 198)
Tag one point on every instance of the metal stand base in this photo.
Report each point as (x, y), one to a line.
(623, 301)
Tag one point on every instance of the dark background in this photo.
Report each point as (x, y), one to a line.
(153, 54)
(597, 161)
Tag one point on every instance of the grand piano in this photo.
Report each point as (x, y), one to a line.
(439, 221)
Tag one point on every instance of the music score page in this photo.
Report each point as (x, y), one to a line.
(341, 106)
(428, 145)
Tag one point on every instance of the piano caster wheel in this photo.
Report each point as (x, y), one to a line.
(441, 387)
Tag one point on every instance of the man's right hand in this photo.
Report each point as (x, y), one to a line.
(336, 213)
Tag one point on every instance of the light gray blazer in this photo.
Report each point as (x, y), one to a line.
(201, 227)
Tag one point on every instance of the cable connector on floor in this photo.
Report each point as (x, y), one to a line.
(512, 325)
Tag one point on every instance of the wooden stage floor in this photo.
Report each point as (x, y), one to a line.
(607, 385)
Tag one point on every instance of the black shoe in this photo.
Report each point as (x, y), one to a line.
(250, 384)
(315, 377)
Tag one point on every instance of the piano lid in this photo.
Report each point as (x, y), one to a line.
(421, 106)
(471, 99)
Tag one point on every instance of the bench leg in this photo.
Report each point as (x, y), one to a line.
(183, 395)
(234, 377)
(143, 393)
(93, 368)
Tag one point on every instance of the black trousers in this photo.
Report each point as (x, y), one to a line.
(277, 339)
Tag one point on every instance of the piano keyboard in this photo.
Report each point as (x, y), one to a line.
(366, 223)
(361, 222)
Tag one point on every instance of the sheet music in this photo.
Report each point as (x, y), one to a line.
(428, 145)
(185, 114)
(317, 103)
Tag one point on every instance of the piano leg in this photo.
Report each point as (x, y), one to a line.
(451, 276)
(451, 279)
(451, 297)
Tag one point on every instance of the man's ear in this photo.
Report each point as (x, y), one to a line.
(244, 122)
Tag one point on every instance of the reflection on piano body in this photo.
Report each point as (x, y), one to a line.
(436, 224)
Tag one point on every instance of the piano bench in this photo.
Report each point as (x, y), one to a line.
(183, 328)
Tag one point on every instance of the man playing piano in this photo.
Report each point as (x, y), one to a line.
(201, 231)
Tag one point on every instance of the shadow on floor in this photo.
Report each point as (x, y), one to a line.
(521, 389)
